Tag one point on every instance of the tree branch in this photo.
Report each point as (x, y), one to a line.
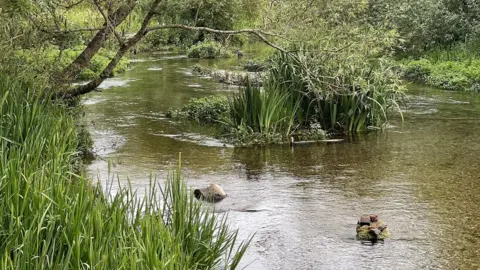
(71, 71)
(257, 32)
(106, 73)
(109, 23)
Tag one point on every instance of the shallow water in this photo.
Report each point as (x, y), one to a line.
(422, 179)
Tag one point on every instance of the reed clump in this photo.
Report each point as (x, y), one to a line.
(52, 217)
(344, 93)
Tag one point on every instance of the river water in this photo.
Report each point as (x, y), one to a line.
(422, 178)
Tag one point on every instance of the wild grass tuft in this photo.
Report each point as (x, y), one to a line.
(267, 112)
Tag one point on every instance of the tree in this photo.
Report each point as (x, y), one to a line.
(48, 18)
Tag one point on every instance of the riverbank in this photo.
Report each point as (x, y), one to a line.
(53, 215)
(454, 69)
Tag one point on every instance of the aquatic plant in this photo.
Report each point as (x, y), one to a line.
(255, 66)
(452, 69)
(52, 217)
(265, 112)
(202, 110)
(342, 92)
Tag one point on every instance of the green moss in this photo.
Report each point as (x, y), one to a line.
(206, 110)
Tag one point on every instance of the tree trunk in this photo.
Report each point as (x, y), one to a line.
(82, 61)
(107, 72)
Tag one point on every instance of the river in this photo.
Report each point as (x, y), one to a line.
(422, 178)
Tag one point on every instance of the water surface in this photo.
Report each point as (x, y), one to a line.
(422, 178)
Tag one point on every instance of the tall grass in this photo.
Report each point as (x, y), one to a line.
(268, 111)
(52, 218)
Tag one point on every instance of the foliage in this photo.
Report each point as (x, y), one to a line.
(207, 110)
(208, 50)
(344, 93)
(427, 24)
(28, 24)
(218, 14)
(264, 112)
(456, 69)
(52, 217)
(51, 58)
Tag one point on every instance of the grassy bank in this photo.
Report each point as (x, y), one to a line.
(52, 217)
(51, 58)
(456, 68)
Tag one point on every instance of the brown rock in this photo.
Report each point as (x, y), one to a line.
(213, 193)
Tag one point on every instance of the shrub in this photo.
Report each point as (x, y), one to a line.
(438, 70)
(208, 50)
(202, 110)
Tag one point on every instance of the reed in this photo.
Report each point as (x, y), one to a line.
(268, 111)
(344, 93)
(52, 218)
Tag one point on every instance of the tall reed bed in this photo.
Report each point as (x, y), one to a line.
(265, 112)
(344, 93)
(52, 218)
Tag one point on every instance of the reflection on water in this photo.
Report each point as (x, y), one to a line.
(422, 177)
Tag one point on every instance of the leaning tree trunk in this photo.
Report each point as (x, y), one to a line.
(97, 42)
(107, 72)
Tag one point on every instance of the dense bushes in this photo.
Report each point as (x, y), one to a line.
(426, 24)
(452, 69)
(206, 110)
(52, 217)
(208, 50)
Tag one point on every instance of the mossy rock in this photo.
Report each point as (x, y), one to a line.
(366, 233)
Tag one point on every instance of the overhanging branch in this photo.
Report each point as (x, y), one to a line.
(257, 32)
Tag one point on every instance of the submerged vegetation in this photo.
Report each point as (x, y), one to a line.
(229, 77)
(208, 110)
(53, 217)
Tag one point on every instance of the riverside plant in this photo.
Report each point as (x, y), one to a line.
(344, 93)
(266, 112)
(454, 68)
(51, 217)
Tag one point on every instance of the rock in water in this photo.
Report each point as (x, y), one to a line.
(370, 228)
(214, 193)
